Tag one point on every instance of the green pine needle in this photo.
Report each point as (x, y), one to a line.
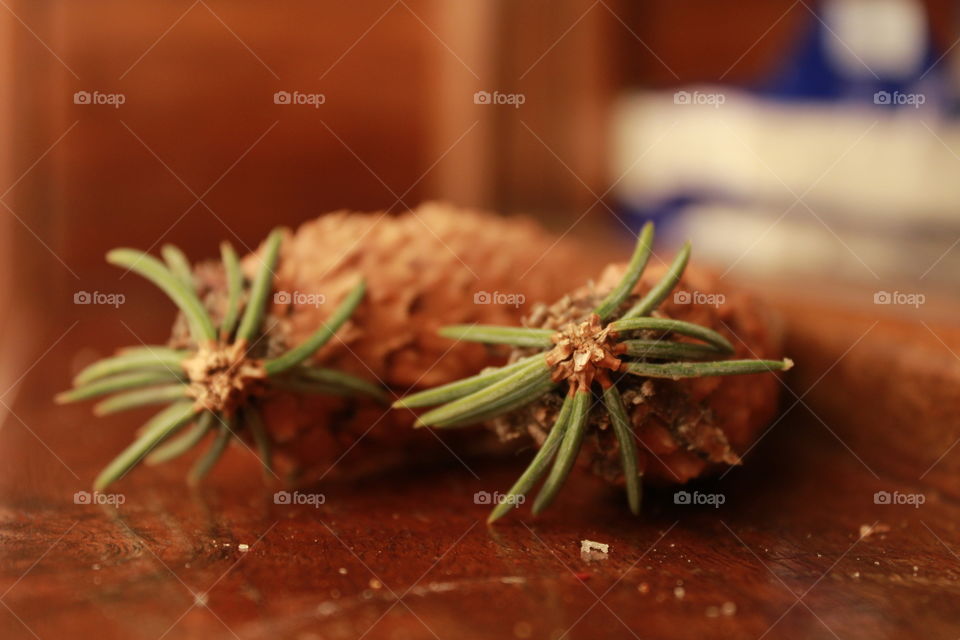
(628, 448)
(300, 353)
(141, 398)
(521, 387)
(252, 419)
(231, 266)
(668, 350)
(569, 355)
(205, 462)
(678, 370)
(674, 326)
(134, 358)
(260, 289)
(155, 431)
(152, 375)
(119, 382)
(179, 445)
(454, 390)
(567, 454)
(537, 466)
(178, 264)
(662, 289)
(201, 327)
(517, 337)
(631, 276)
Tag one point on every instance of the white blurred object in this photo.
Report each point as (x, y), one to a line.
(883, 37)
(881, 185)
(762, 242)
(874, 162)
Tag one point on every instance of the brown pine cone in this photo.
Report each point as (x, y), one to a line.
(434, 266)
(686, 428)
(424, 269)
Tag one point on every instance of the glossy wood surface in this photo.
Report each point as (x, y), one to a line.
(407, 555)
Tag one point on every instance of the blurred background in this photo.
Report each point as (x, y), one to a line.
(809, 149)
(796, 140)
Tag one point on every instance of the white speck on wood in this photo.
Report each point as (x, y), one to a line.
(592, 550)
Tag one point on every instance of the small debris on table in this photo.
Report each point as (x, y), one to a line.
(867, 530)
(591, 550)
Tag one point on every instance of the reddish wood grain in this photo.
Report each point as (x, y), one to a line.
(407, 555)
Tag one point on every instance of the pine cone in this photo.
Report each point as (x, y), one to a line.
(434, 266)
(424, 269)
(686, 428)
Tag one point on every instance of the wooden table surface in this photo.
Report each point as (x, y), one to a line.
(408, 555)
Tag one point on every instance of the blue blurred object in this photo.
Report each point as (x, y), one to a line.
(850, 55)
(814, 71)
